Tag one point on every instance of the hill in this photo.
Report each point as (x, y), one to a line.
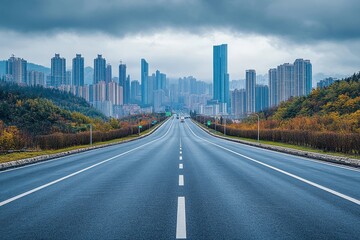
(39, 68)
(332, 109)
(38, 110)
(340, 98)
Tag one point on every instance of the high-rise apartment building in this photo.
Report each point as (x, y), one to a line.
(144, 82)
(326, 82)
(250, 90)
(78, 71)
(285, 77)
(135, 91)
(100, 92)
(16, 70)
(151, 88)
(35, 78)
(123, 83)
(273, 88)
(126, 90)
(289, 80)
(108, 73)
(238, 102)
(163, 81)
(221, 77)
(99, 69)
(302, 77)
(58, 71)
(262, 98)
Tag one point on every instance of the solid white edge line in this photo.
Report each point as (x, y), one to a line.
(76, 173)
(181, 166)
(181, 219)
(354, 200)
(181, 180)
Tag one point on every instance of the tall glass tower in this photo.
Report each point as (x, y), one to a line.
(99, 69)
(58, 71)
(221, 77)
(144, 81)
(78, 70)
(250, 90)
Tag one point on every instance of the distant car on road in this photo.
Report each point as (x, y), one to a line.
(182, 119)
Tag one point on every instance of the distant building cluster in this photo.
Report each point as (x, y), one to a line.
(115, 96)
(285, 81)
(118, 96)
(107, 94)
(326, 82)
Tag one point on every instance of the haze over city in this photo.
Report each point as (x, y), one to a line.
(179, 119)
(177, 36)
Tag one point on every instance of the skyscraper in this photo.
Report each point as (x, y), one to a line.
(126, 90)
(144, 81)
(308, 77)
(16, 70)
(122, 74)
(262, 97)
(285, 78)
(302, 77)
(163, 81)
(58, 71)
(250, 90)
(78, 70)
(238, 102)
(273, 88)
(151, 88)
(108, 74)
(135, 91)
(122, 82)
(221, 77)
(35, 78)
(99, 69)
(157, 82)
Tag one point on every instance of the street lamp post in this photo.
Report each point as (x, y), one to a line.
(258, 138)
(224, 119)
(138, 126)
(90, 135)
(215, 123)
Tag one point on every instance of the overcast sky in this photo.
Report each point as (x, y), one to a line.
(176, 36)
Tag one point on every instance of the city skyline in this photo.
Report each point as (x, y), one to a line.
(332, 45)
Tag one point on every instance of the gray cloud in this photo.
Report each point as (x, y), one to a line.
(306, 20)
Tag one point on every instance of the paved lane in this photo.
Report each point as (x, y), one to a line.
(131, 196)
(229, 196)
(180, 183)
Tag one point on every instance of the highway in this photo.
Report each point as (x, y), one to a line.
(180, 182)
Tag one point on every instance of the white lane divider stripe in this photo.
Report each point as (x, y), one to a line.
(341, 195)
(76, 173)
(180, 158)
(181, 180)
(181, 166)
(180, 152)
(181, 219)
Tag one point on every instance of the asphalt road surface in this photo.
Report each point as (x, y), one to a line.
(180, 182)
